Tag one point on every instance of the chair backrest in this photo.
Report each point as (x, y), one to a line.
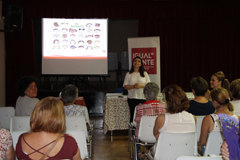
(112, 61)
(199, 125)
(76, 123)
(214, 142)
(145, 133)
(79, 136)
(15, 136)
(172, 145)
(20, 123)
(199, 158)
(5, 116)
(86, 114)
(125, 61)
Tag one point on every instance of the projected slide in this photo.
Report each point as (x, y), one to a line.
(74, 46)
(74, 38)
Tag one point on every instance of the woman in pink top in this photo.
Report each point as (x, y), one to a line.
(151, 107)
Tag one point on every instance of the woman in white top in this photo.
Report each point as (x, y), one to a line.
(220, 100)
(177, 119)
(135, 80)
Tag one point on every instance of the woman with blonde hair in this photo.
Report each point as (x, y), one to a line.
(218, 80)
(222, 105)
(46, 138)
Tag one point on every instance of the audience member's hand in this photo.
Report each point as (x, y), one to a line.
(224, 150)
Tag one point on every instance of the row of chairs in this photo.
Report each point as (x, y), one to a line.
(172, 145)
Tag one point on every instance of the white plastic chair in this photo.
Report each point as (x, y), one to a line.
(145, 133)
(199, 158)
(214, 143)
(79, 136)
(20, 123)
(172, 145)
(199, 125)
(79, 123)
(5, 115)
(15, 136)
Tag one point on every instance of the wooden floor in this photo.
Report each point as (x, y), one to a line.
(107, 147)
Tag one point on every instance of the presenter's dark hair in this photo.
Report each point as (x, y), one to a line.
(141, 68)
(23, 84)
(199, 85)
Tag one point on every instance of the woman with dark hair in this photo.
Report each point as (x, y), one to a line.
(200, 105)
(135, 80)
(27, 90)
(176, 118)
(222, 105)
(46, 139)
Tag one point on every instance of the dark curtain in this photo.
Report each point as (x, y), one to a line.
(196, 38)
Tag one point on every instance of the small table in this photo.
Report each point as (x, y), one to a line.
(116, 112)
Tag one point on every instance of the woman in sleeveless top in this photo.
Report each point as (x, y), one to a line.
(220, 100)
(176, 120)
(46, 139)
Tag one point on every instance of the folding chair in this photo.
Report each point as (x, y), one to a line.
(145, 133)
(79, 136)
(199, 125)
(214, 143)
(172, 145)
(132, 127)
(20, 123)
(5, 115)
(79, 123)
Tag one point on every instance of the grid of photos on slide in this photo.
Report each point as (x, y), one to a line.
(76, 36)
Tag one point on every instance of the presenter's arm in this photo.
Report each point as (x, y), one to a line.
(127, 87)
(147, 79)
(126, 84)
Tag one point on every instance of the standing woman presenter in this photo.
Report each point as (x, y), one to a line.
(135, 80)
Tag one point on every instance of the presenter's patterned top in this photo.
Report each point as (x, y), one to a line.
(5, 142)
(75, 110)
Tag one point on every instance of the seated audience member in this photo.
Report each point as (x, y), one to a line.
(218, 80)
(235, 95)
(176, 118)
(210, 123)
(69, 95)
(6, 145)
(27, 90)
(200, 105)
(151, 107)
(46, 139)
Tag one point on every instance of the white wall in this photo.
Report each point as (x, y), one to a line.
(2, 61)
